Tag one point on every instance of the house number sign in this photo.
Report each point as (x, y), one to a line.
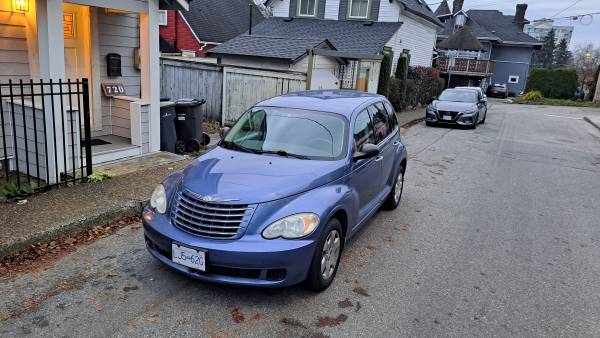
(113, 89)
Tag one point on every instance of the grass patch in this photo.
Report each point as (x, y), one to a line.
(556, 102)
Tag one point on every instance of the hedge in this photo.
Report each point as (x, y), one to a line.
(421, 84)
(553, 83)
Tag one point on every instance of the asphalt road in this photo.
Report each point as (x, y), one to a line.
(497, 234)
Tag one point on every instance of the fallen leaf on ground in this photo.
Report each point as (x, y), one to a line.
(256, 316)
(345, 303)
(360, 291)
(131, 326)
(153, 318)
(112, 274)
(236, 315)
(330, 321)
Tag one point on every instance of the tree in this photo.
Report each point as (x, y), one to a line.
(562, 54)
(544, 58)
(385, 73)
(586, 59)
(592, 91)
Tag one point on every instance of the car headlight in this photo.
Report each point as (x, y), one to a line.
(292, 227)
(159, 199)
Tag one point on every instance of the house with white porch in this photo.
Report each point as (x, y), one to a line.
(79, 84)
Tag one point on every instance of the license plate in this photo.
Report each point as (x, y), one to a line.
(447, 117)
(192, 258)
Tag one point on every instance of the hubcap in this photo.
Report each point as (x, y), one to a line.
(398, 187)
(330, 254)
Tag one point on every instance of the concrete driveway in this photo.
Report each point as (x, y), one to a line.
(497, 234)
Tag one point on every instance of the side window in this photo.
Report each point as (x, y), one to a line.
(363, 129)
(380, 123)
(393, 121)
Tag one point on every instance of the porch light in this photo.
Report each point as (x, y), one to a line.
(20, 6)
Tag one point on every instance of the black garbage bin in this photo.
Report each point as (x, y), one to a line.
(188, 125)
(168, 135)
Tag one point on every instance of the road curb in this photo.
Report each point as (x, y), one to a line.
(592, 122)
(100, 219)
(412, 123)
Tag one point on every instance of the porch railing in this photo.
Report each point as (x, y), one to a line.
(45, 135)
(465, 66)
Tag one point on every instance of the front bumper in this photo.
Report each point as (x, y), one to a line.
(460, 119)
(248, 261)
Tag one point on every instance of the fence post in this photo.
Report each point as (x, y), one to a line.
(86, 127)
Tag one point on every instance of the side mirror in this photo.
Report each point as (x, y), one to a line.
(433, 98)
(224, 131)
(367, 150)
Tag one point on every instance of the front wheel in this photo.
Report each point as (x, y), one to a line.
(393, 199)
(327, 255)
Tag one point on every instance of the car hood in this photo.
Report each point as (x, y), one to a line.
(454, 106)
(246, 178)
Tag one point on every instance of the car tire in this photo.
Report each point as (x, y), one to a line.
(327, 252)
(474, 125)
(484, 116)
(393, 199)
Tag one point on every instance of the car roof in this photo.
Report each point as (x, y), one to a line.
(342, 102)
(472, 88)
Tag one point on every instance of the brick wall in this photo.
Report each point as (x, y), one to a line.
(178, 34)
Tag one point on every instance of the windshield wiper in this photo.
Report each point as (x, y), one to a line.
(284, 154)
(233, 145)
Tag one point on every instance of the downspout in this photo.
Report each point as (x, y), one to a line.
(176, 30)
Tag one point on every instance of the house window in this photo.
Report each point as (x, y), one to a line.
(513, 79)
(307, 7)
(163, 17)
(359, 9)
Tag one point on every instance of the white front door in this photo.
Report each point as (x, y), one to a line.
(76, 23)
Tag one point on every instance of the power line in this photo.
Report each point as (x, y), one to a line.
(573, 4)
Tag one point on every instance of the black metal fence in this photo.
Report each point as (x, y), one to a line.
(45, 136)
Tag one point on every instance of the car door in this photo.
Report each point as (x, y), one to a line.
(364, 171)
(381, 125)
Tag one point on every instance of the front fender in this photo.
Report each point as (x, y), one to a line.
(324, 201)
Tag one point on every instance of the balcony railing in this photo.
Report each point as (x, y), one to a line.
(466, 66)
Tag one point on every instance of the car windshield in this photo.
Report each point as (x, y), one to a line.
(458, 96)
(289, 132)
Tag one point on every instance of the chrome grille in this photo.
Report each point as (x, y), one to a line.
(208, 219)
(450, 113)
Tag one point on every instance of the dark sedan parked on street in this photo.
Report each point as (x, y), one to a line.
(465, 107)
(498, 90)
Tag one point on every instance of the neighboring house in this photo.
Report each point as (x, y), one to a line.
(50, 131)
(346, 39)
(206, 24)
(540, 29)
(479, 47)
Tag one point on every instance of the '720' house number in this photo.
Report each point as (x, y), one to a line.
(113, 89)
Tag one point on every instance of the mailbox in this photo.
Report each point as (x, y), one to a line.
(113, 64)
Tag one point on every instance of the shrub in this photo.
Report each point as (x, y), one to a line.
(99, 176)
(427, 83)
(384, 74)
(553, 83)
(395, 93)
(534, 95)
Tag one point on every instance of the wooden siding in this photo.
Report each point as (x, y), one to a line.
(416, 35)
(281, 8)
(118, 33)
(185, 79)
(389, 11)
(332, 8)
(14, 60)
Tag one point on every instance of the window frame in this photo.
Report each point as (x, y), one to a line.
(367, 15)
(513, 76)
(315, 11)
(372, 136)
(391, 117)
(163, 17)
(372, 109)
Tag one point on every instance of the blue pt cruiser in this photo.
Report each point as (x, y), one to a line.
(274, 202)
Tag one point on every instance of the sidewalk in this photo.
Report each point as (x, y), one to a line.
(62, 211)
(410, 115)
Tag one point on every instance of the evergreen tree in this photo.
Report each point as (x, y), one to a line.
(562, 54)
(544, 58)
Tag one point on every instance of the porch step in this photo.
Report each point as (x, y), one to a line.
(116, 154)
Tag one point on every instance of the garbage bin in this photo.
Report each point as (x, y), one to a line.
(168, 135)
(188, 124)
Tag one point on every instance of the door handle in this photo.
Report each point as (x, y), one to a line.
(378, 158)
(397, 143)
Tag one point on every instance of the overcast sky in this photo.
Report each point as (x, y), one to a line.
(539, 9)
